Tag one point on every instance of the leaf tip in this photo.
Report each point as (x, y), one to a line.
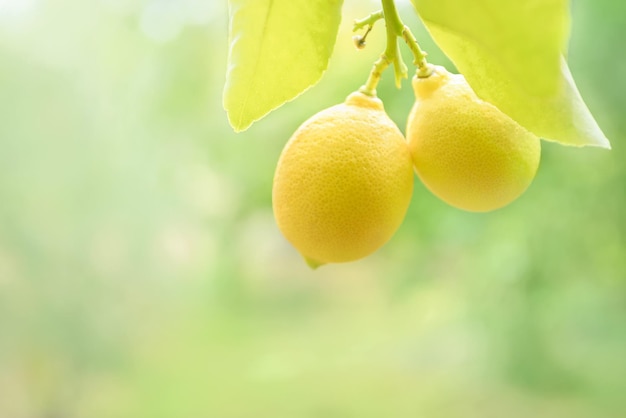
(235, 119)
(606, 145)
(237, 125)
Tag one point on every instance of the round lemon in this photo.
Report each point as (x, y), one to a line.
(343, 182)
(465, 150)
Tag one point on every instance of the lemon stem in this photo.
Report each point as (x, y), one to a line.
(392, 18)
(367, 21)
(372, 81)
(395, 29)
(419, 57)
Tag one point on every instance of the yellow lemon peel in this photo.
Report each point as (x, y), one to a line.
(465, 150)
(343, 182)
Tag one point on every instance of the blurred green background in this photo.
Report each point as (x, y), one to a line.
(142, 273)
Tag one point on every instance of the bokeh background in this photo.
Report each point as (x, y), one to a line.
(142, 273)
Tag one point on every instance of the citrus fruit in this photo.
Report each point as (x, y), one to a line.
(343, 182)
(465, 150)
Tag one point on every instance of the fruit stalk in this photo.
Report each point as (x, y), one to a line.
(419, 57)
(392, 18)
(394, 29)
(367, 21)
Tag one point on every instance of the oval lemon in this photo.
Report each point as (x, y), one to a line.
(465, 150)
(343, 182)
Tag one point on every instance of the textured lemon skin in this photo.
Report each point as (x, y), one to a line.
(343, 182)
(465, 150)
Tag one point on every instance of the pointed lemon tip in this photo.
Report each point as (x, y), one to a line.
(434, 77)
(313, 264)
(364, 99)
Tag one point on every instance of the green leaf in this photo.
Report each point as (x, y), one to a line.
(511, 53)
(278, 49)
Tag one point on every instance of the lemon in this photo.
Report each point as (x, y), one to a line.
(343, 182)
(465, 150)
